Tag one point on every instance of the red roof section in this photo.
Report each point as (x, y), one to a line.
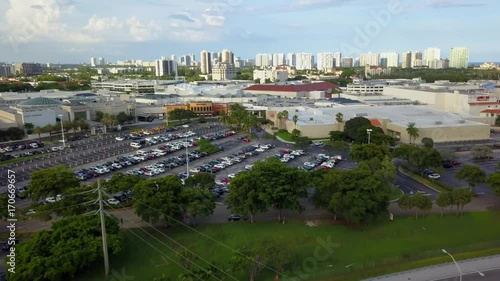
(320, 86)
(484, 103)
(375, 123)
(494, 111)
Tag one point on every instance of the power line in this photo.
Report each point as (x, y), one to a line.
(179, 244)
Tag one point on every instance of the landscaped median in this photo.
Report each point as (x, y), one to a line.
(321, 250)
(436, 184)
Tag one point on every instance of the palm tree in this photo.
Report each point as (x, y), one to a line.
(29, 127)
(49, 128)
(412, 131)
(339, 117)
(225, 118)
(82, 124)
(295, 119)
(38, 130)
(279, 116)
(109, 120)
(67, 125)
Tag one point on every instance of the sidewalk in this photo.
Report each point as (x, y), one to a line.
(443, 271)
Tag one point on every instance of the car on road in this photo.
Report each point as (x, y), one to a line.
(248, 167)
(434, 176)
(120, 138)
(245, 140)
(231, 176)
(50, 200)
(234, 217)
(113, 201)
(31, 212)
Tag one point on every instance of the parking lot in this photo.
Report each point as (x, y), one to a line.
(84, 152)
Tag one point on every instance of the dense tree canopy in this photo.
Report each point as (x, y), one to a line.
(50, 182)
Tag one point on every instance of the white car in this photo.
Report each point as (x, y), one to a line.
(260, 149)
(120, 138)
(31, 212)
(50, 200)
(220, 166)
(194, 170)
(434, 176)
(248, 167)
(219, 182)
(113, 201)
(231, 176)
(285, 160)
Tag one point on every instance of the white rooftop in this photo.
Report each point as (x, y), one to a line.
(423, 117)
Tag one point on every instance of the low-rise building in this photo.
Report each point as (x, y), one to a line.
(274, 75)
(295, 90)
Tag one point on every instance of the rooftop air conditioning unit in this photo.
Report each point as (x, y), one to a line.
(438, 122)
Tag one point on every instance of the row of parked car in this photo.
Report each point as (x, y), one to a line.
(20, 146)
(322, 161)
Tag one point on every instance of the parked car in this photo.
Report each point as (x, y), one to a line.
(434, 176)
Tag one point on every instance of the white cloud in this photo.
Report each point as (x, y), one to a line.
(96, 24)
(142, 32)
(213, 18)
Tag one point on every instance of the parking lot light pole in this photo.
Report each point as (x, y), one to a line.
(166, 112)
(62, 130)
(455, 262)
(369, 132)
(187, 159)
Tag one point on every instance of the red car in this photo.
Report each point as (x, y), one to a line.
(245, 140)
(225, 180)
(455, 163)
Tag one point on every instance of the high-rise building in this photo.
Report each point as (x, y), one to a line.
(406, 60)
(6, 70)
(459, 57)
(337, 59)
(438, 64)
(226, 56)
(325, 61)
(279, 59)
(102, 61)
(371, 59)
(305, 61)
(347, 62)
(416, 59)
(291, 59)
(205, 62)
(390, 59)
(164, 67)
(93, 62)
(28, 69)
(263, 60)
(223, 71)
(431, 54)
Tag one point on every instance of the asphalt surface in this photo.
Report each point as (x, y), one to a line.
(86, 152)
(491, 275)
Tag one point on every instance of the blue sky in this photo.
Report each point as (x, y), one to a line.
(72, 31)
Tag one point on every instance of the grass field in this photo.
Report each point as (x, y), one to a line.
(395, 193)
(285, 136)
(373, 250)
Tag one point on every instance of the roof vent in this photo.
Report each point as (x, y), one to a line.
(438, 122)
(461, 121)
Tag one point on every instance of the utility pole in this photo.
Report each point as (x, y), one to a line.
(103, 229)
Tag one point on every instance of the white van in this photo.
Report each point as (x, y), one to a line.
(135, 145)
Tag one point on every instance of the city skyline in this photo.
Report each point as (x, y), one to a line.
(67, 31)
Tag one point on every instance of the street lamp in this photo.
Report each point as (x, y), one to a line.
(62, 130)
(187, 159)
(166, 110)
(456, 264)
(369, 132)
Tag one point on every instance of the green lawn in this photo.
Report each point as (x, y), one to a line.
(382, 248)
(395, 193)
(285, 136)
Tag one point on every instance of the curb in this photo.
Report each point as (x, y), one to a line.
(284, 141)
(399, 169)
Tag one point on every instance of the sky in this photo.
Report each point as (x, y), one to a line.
(72, 31)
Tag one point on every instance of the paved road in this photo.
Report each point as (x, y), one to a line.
(449, 272)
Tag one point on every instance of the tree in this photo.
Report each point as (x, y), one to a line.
(252, 261)
(405, 202)
(109, 120)
(482, 152)
(418, 202)
(206, 146)
(404, 151)
(29, 127)
(122, 118)
(120, 182)
(472, 174)
(326, 187)
(424, 158)
(197, 201)
(283, 186)
(412, 131)
(158, 200)
(493, 181)
(50, 182)
(461, 197)
(361, 152)
(68, 125)
(338, 136)
(99, 115)
(82, 124)
(295, 133)
(247, 195)
(49, 128)
(71, 245)
(4, 212)
(351, 126)
(339, 117)
(295, 119)
(201, 180)
(428, 142)
(448, 155)
(39, 131)
(444, 200)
